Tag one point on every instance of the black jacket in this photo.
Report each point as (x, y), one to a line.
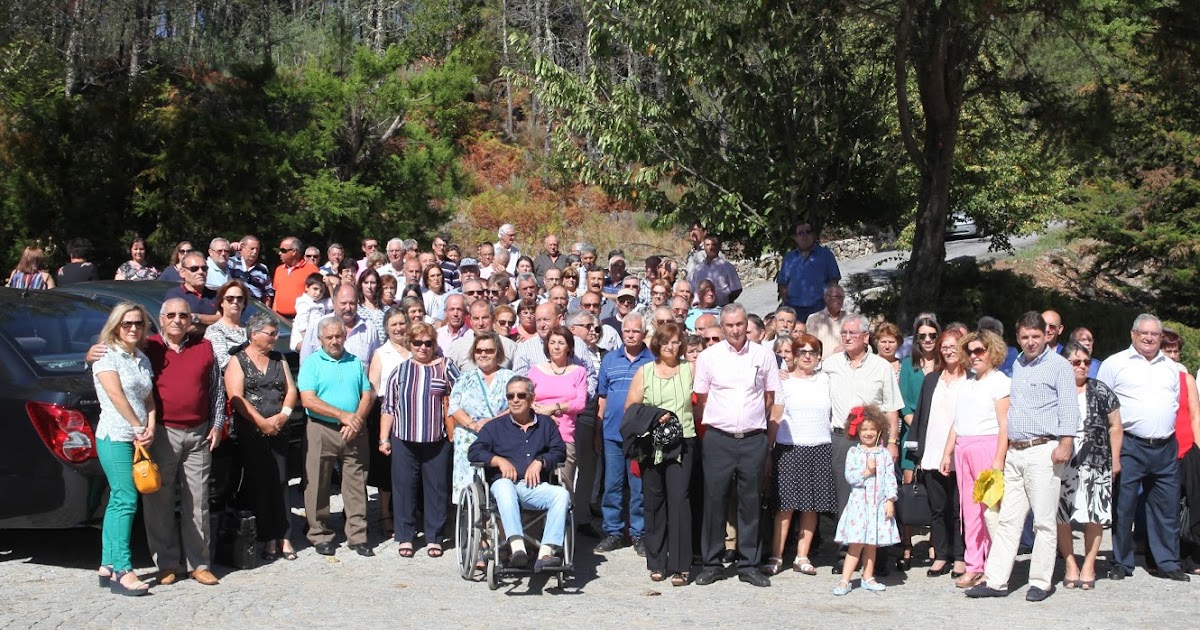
(637, 428)
(920, 423)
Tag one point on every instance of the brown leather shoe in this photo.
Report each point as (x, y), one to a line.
(205, 577)
(167, 577)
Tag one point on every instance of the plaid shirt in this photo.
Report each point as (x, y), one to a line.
(1044, 400)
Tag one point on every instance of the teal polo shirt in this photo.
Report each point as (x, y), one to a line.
(338, 382)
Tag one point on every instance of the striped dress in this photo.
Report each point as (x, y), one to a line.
(415, 396)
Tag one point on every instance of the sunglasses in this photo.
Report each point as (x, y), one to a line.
(713, 338)
(504, 323)
(663, 322)
(590, 305)
(977, 351)
(182, 252)
(234, 299)
(928, 336)
(485, 351)
(284, 250)
(587, 326)
(422, 343)
(177, 315)
(133, 324)
(1080, 362)
(197, 269)
(806, 353)
(476, 292)
(517, 395)
(313, 256)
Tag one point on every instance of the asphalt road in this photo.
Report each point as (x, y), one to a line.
(761, 298)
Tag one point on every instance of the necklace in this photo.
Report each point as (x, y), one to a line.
(556, 371)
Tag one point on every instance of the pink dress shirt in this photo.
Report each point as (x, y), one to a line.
(735, 382)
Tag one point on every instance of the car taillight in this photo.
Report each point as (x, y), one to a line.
(65, 430)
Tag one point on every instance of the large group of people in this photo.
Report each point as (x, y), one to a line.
(670, 413)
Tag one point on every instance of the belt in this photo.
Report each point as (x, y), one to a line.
(1151, 441)
(738, 436)
(839, 431)
(1020, 445)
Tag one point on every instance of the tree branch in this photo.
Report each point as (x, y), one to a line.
(903, 29)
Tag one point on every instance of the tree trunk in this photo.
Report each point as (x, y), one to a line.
(508, 99)
(74, 25)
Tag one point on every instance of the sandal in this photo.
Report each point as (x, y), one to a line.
(680, 579)
(289, 555)
(433, 551)
(657, 576)
(1086, 585)
(105, 579)
(773, 566)
(968, 582)
(1071, 584)
(117, 588)
(802, 565)
(407, 552)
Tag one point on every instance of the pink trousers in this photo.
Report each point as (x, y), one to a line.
(974, 454)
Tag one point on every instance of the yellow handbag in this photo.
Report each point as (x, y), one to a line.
(989, 487)
(145, 471)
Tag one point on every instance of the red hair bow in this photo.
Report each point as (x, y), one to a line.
(853, 420)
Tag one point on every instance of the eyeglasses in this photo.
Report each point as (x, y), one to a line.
(1080, 362)
(273, 333)
(928, 336)
(517, 395)
(806, 353)
(590, 304)
(485, 351)
(231, 299)
(587, 326)
(1153, 334)
(220, 251)
(948, 349)
(663, 322)
(423, 343)
(851, 333)
(977, 351)
(284, 250)
(197, 269)
(313, 256)
(625, 300)
(475, 292)
(133, 324)
(712, 338)
(177, 315)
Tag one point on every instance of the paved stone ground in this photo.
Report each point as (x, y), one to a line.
(47, 581)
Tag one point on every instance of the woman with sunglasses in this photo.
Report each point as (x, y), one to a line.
(415, 431)
(932, 421)
(505, 319)
(977, 442)
(227, 333)
(801, 463)
(174, 271)
(912, 371)
(259, 385)
(136, 267)
(124, 387)
(477, 398)
(1087, 479)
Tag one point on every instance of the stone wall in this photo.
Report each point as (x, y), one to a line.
(767, 266)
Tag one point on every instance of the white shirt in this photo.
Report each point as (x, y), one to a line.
(806, 409)
(1148, 390)
(872, 383)
(942, 409)
(976, 413)
(827, 328)
(389, 270)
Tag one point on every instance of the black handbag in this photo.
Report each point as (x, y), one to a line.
(912, 504)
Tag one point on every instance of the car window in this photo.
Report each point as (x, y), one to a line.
(53, 334)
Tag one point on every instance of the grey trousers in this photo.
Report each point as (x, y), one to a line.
(184, 462)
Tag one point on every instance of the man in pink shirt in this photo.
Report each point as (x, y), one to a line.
(735, 388)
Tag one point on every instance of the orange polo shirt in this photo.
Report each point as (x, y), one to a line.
(289, 285)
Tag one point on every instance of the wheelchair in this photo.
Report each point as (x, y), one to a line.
(479, 536)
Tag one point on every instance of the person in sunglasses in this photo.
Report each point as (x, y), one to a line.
(174, 271)
(228, 333)
(520, 450)
(290, 276)
(200, 299)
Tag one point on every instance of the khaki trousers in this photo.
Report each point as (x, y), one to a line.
(325, 447)
(1031, 482)
(184, 462)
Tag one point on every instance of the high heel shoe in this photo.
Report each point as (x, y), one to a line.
(903, 564)
(105, 580)
(116, 588)
(946, 568)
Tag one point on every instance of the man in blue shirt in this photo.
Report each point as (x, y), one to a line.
(520, 450)
(805, 272)
(337, 397)
(616, 373)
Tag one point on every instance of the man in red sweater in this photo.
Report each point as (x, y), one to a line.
(190, 393)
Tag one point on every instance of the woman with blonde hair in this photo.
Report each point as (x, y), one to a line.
(124, 388)
(30, 272)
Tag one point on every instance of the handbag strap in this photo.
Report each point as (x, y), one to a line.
(139, 452)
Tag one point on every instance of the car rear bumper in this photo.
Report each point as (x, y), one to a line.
(71, 499)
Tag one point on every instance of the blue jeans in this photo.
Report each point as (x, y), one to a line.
(511, 497)
(616, 472)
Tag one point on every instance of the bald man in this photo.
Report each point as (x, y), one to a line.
(1054, 328)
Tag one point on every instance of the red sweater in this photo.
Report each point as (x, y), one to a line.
(183, 387)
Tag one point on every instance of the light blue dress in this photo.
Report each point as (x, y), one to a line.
(864, 520)
(472, 394)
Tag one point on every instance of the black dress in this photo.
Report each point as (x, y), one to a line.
(264, 457)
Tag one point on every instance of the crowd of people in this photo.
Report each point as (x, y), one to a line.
(671, 414)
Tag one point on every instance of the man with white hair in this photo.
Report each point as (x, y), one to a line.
(218, 263)
(248, 268)
(508, 235)
(395, 260)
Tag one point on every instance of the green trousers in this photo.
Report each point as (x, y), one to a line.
(117, 460)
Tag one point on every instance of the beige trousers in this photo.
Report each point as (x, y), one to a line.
(1031, 482)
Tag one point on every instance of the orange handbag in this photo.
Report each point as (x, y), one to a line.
(145, 471)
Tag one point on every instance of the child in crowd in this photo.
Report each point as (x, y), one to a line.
(310, 308)
(869, 519)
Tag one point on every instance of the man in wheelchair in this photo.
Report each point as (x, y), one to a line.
(520, 451)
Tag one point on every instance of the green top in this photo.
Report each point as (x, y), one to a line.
(911, 380)
(673, 394)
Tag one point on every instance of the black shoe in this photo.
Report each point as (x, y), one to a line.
(611, 542)
(1118, 572)
(754, 578)
(731, 556)
(551, 562)
(1036, 594)
(836, 569)
(983, 590)
(706, 577)
(519, 559)
(1177, 574)
(903, 564)
(325, 549)
(364, 550)
(946, 568)
(639, 546)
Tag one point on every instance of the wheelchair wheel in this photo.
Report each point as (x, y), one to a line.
(468, 531)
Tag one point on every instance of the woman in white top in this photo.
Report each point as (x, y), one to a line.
(801, 462)
(383, 363)
(932, 420)
(227, 333)
(977, 442)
